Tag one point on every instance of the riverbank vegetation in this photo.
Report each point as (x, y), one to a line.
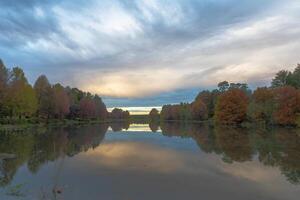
(22, 103)
(235, 103)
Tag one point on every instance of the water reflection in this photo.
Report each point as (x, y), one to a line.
(278, 147)
(37, 147)
(255, 155)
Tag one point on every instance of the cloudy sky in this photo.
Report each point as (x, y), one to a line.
(144, 50)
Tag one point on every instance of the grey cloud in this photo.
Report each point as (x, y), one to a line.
(191, 38)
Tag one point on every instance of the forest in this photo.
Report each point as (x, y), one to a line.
(235, 103)
(20, 101)
(230, 103)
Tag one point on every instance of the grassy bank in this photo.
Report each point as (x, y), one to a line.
(23, 124)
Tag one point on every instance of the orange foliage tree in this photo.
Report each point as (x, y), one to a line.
(232, 107)
(199, 110)
(287, 100)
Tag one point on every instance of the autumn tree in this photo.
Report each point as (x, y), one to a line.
(231, 107)
(101, 111)
(209, 99)
(75, 95)
(154, 114)
(61, 101)
(180, 111)
(198, 110)
(119, 114)
(165, 113)
(287, 105)
(125, 114)
(87, 108)
(45, 97)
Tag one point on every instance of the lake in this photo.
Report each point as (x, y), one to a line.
(146, 162)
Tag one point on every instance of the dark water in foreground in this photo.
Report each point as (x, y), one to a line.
(179, 162)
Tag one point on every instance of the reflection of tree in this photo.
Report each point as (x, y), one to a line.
(234, 143)
(17, 144)
(154, 126)
(290, 155)
(119, 126)
(267, 146)
(38, 148)
(279, 147)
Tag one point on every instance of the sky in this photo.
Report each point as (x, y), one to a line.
(150, 52)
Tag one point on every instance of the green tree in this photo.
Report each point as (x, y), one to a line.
(3, 87)
(296, 77)
(223, 86)
(282, 78)
(262, 105)
(21, 98)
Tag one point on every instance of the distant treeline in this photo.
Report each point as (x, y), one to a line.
(235, 103)
(44, 101)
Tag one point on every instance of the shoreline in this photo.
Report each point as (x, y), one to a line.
(21, 126)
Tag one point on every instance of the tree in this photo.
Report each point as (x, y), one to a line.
(296, 77)
(184, 111)
(75, 95)
(287, 105)
(209, 99)
(3, 76)
(154, 115)
(3, 86)
(223, 86)
(262, 105)
(87, 108)
(45, 96)
(119, 114)
(125, 114)
(165, 113)
(231, 107)
(61, 101)
(198, 110)
(21, 98)
(282, 78)
(101, 111)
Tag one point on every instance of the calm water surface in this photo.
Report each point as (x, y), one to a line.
(147, 162)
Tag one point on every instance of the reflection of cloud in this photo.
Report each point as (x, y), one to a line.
(268, 179)
(208, 170)
(253, 171)
(127, 155)
(137, 156)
